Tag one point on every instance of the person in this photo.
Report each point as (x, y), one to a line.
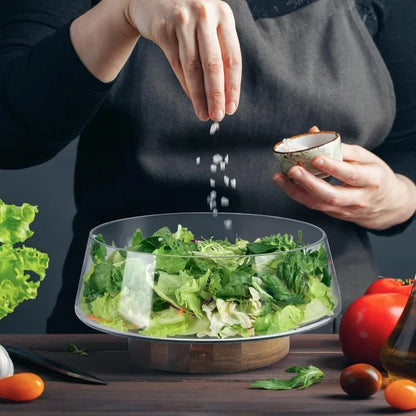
(140, 82)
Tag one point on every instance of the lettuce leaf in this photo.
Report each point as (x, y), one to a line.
(209, 287)
(18, 265)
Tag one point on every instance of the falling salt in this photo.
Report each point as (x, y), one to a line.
(217, 159)
(215, 126)
(228, 224)
(225, 201)
(198, 160)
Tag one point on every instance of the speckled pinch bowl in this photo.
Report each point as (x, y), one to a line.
(320, 143)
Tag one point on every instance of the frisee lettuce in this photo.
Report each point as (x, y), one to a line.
(18, 264)
(207, 288)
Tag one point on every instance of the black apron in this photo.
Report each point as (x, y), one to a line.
(315, 66)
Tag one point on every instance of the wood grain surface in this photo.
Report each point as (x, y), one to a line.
(133, 390)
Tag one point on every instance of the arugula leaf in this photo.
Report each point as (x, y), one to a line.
(70, 347)
(306, 376)
(273, 243)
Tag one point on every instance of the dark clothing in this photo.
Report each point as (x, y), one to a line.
(314, 65)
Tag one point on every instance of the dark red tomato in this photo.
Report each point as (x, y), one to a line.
(390, 285)
(361, 380)
(366, 325)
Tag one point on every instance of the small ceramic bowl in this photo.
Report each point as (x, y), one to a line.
(300, 150)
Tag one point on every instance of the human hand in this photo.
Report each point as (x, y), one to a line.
(200, 41)
(371, 194)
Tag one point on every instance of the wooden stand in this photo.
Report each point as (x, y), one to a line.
(218, 357)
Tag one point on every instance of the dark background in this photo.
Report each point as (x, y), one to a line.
(50, 187)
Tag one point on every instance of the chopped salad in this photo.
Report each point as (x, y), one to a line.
(180, 286)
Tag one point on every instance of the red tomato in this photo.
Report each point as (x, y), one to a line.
(366, 325)
(21, 387)
(390, 285)
(401, 394)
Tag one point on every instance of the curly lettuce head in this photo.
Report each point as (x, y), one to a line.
(18, 265)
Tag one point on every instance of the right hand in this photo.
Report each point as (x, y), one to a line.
(200, 41)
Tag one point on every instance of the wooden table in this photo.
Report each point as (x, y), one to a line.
(134, 391)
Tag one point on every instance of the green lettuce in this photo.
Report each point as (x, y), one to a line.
(214, 288)
(19, 265)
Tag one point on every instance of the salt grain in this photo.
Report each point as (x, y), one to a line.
(233, 183)
(217, 159)
(225, 201)
(198, 160)
(213, 168)
(226, 180)
(290, 145)
(212, 183)
(222, 165)
(228, 224)
(215, 126)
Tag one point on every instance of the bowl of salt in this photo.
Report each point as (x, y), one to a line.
(300, 150)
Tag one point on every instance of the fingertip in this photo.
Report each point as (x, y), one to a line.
(231, 108)
(203, 115)
(278, 179)
(217, 115)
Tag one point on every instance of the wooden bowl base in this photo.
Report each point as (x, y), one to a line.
(221, 357)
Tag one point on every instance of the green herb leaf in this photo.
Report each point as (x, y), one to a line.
(70, 347)
(306, 376)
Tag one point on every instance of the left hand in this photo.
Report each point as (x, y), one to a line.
(371, 194)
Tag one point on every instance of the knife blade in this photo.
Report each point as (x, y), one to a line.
(40, 360)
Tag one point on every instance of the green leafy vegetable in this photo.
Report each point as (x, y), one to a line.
(18, 264)
(306, 376)
(214, 288)
(70, 347)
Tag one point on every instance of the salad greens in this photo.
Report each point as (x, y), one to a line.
(70, 347)
(180, 286)
(16, 284)
(306, 376)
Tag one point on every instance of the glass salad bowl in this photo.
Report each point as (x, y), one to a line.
(199, 278)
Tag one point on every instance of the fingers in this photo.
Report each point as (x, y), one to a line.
(314, 129)
(202, 46)
(318, 193)
(220, 58)
(231, 57)
(213, 83)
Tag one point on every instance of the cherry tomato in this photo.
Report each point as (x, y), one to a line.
(21, 387)
(361, 380)
(366, 325)
(401, 394)
(390, 285)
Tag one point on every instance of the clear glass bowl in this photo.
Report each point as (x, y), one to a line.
(202, 297)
